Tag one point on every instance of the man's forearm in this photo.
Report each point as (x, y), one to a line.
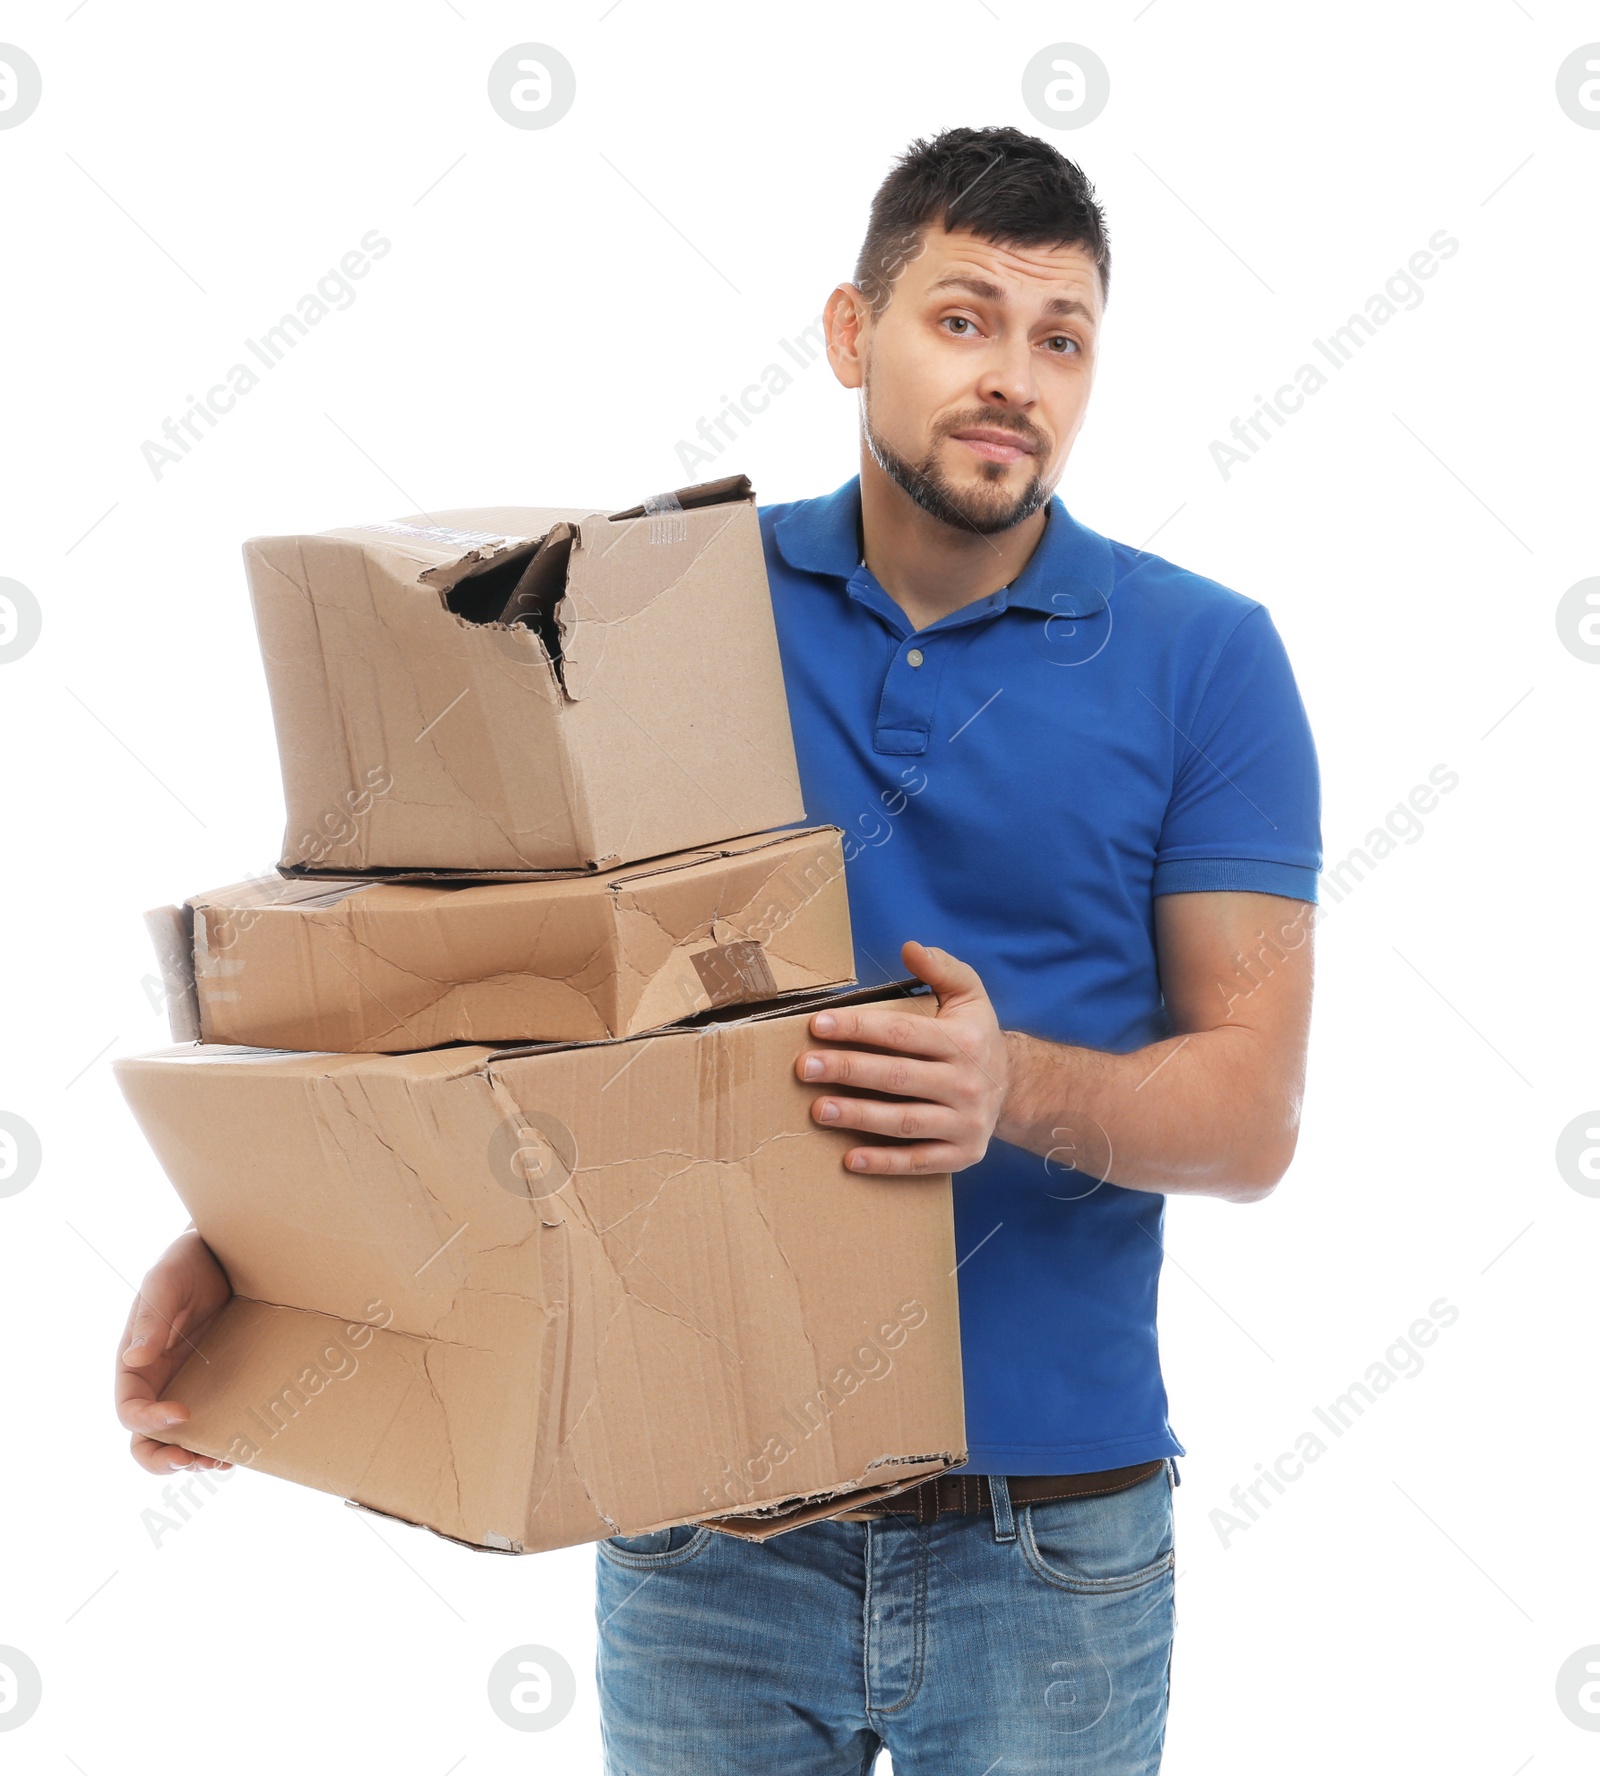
(1205, 1114)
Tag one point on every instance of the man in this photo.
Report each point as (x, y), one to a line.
(1085, 775)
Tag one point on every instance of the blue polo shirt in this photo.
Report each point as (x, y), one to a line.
(1017, 782)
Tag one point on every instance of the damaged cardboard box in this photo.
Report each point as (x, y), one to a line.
(535, 1297)
(520, 690)
(362, 966)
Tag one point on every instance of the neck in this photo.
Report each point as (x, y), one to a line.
(928, 568)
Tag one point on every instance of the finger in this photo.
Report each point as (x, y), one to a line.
(146, 1412)
(165, 1347)
(884, 1027)
(932, 1080)
(149, 1332)
(907, 1122)
(915, 1159)
(167, 1458)
(148, 1366)
(954, 982)
(158, 1458)
(146, 1385)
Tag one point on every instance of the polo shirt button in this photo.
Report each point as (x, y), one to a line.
(914, 658)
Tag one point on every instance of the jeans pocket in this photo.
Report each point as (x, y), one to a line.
(657, 1548)
(1097, 1546)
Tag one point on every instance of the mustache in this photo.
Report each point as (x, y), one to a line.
(998, 419)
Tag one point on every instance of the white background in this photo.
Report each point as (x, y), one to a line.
(559, 308)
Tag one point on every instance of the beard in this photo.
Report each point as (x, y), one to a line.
(982, 510)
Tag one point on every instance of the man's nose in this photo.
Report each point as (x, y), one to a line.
(1007, 379)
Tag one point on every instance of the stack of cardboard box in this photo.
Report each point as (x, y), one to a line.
(486, 1101)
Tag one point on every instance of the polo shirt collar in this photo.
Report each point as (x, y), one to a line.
(1070, 573)
(823, 536)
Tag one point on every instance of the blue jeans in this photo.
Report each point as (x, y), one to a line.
(1033, 1639)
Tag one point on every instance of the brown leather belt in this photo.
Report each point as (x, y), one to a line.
(969, 1493)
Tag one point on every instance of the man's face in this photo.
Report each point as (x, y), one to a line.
(976, 375)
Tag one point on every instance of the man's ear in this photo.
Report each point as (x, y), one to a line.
(846, 319)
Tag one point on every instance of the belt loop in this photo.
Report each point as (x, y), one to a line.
(1172, 1466)
(1005, 1525)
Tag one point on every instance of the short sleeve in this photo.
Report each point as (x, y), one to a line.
(1246, 804)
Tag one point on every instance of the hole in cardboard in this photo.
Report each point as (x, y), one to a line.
(523, 588)
(481, 595)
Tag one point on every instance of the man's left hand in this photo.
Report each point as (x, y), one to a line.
(949, 1071)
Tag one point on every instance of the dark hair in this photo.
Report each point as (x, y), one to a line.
(999, 184)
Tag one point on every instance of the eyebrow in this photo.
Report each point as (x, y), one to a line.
(981, 287)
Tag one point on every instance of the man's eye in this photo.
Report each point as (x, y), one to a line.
(958, 324)
(1062, 345)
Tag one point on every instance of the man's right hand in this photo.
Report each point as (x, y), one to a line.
(181, 1296)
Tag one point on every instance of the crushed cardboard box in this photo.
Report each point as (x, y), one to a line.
(361, 966)
(519, 690)
(535, 1297)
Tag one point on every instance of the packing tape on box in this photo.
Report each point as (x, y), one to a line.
(665, 512)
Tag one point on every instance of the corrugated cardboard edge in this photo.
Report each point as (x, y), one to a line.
(497, 1545)
(637, 867)
(784, 1005)
(649, 867)
(755, 1526)
(394, 873)
(773, 1520)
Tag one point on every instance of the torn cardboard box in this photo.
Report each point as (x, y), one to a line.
(383, 966)
(525, 690)
(536, 1297)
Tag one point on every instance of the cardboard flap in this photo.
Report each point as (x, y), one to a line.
(491, 1543)
(761, 1526)
(648, 866)
(677, 860)
(754, 1526)
(810, 999)
(479, 590)
(328, 873)
(457, 544)
(256, 893)
(452, 552)
(524, 587)
(801, 1000)
(702, 493)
